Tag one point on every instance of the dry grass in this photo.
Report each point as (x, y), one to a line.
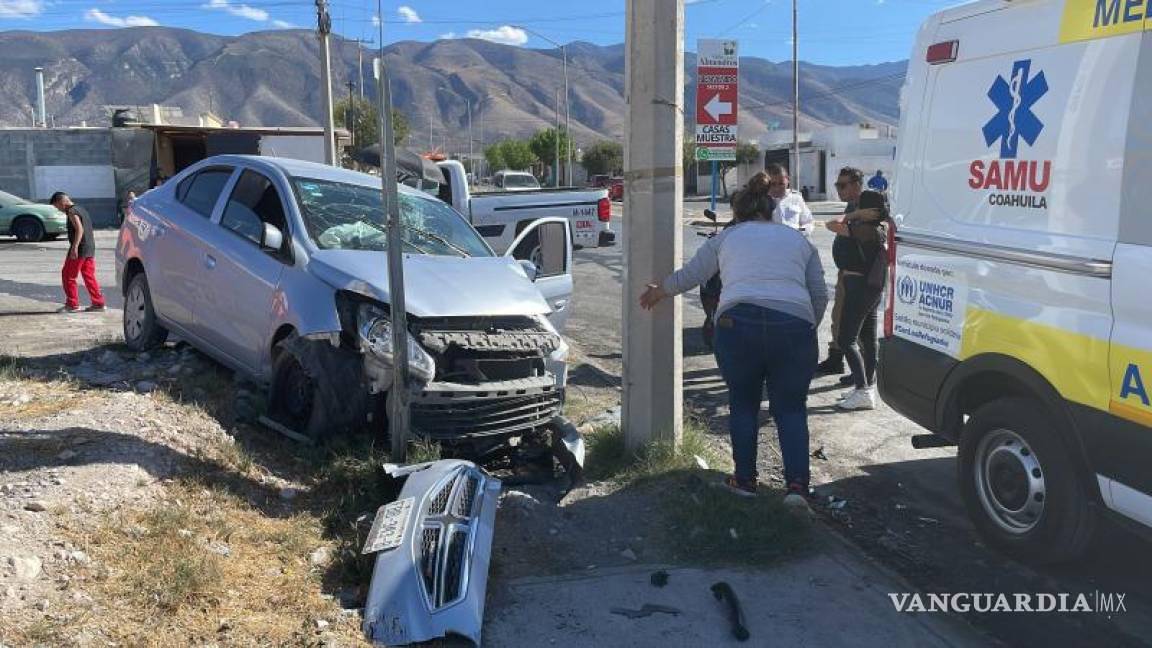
(608, 456)
(205, 566)
(41, 398)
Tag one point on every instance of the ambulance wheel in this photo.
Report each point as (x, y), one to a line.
(1020, 485)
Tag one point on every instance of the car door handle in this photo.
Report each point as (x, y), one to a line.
(209, 261)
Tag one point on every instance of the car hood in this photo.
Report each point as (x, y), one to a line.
(435, 286)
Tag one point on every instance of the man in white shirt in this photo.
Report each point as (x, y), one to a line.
(791, 210)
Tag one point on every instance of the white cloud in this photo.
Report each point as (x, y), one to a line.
(239, 10)
(97, 16)
(408, 14)
(375, 20)
(283, 24)
(505, 35)
(449, 36)
(20, 8)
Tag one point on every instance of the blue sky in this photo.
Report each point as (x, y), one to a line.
(837, 32)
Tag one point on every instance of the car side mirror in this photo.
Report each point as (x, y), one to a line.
(530, 269)
(273, 238)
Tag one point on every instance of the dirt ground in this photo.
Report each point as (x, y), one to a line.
(140, 504)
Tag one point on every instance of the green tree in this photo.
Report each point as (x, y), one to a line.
(604, 157)
(494, 155)
(543, 144)
(516, 154)
(361, 118)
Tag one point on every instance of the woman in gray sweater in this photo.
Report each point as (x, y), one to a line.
(773, 298)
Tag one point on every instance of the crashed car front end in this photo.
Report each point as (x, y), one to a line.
(477, 380)
(432, 546)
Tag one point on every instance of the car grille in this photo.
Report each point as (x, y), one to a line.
(447, 525)
(444, 415)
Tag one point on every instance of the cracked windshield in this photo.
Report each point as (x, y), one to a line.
(341, 216)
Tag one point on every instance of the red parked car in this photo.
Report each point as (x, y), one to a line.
(616, 189)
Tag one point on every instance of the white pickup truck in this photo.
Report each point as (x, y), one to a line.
(500, 215)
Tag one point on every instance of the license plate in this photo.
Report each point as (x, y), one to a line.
(389, 526)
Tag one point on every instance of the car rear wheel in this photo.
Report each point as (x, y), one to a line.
(142, 331)
(1020, 484)
(28, 229)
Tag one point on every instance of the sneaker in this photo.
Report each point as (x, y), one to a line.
(742, 487)
(798, 496)
(833, 366)
(859, 399)
(96, 309)
(68, 309)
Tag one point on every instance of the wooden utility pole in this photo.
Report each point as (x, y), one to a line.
(398, 412)
(653, 193)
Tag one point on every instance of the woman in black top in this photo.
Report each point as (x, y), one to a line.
(858, 247)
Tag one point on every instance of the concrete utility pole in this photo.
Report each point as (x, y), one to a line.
(350, 115)
(567, 116)
(653, 187)
(795, 95)
(556, 168)
(360, 42)
(41, 110)
(324, 29)
(567, 98)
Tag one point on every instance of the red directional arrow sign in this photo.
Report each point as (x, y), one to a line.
(717, 94)
(716, 102)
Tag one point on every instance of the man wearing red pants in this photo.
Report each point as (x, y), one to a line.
(81, 257)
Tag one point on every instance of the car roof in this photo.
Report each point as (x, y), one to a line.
(305, 169)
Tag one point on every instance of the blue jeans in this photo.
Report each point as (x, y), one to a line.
(756, 346)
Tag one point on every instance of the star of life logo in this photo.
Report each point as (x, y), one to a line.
(1016, 183)
(1014, 119)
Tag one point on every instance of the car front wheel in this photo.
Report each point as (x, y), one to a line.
(28, 230)
(1020, 484)
(142, 331)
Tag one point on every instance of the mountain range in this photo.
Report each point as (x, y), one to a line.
(272, 78)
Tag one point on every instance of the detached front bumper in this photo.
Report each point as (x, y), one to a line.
(433, 583)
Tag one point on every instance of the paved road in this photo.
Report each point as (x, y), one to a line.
(30, 294)
(903, 507)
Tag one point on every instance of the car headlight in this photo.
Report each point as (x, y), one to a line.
(374, 327)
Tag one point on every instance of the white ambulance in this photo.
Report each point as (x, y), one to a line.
(1019, 316)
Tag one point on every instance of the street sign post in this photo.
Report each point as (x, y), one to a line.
(717, 97)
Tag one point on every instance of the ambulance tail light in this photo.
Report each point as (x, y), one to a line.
(890, 306)
(604, 210)
(944, 52)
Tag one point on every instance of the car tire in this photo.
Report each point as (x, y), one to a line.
(28, 229)
(142, 330)
(295, 400)
(1020, 484)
